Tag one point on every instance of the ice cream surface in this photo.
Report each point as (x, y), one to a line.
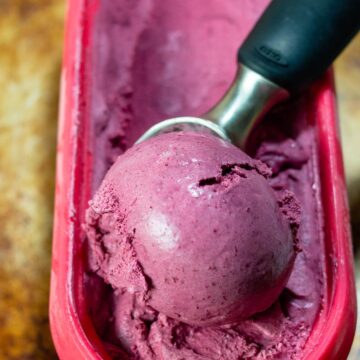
(154, 60)
(191, 223)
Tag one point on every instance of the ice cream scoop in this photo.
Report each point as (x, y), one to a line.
(291, 45)
(206, 241)
(188, 220)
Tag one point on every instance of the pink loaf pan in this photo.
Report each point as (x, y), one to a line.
(72, 330)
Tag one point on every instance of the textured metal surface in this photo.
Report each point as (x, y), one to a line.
(30, 58)
(348, 89)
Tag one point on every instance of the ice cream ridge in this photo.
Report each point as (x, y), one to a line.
(187, 226)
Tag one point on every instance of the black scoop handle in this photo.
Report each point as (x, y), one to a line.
(295, 41)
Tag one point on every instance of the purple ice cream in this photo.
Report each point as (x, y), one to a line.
(151, 65)
(190, 223)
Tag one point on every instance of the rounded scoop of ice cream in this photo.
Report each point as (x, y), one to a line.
(190, 222)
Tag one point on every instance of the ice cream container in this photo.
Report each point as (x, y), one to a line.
(72, 329)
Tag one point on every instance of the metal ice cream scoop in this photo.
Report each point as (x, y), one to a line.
(290, 46)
